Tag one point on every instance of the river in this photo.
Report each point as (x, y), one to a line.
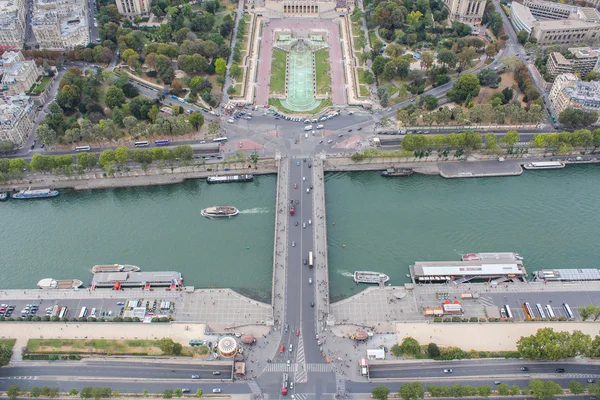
(549, 217)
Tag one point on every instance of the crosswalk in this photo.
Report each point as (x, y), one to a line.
(486, 301)
(300, 376)
(300, 396)
(280, 367)
(254, 388)
(340, 384)
(319, 367)
(30, 378)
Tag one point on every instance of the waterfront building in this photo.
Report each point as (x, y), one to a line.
(18, 75)
(12, 23)
(585, 59)
(566, 31)
(467, 11)
(521, 17)
(464, 271)
(567, 91)
(118, 280)
(16, 115)
(60, 24)
(133, 8)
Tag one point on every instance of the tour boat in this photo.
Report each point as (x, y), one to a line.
(370, 277)
(220, 211)
(35, 194)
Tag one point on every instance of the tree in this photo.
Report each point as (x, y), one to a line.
(576, 387)
(167, 394)
(427, 60)
(13, 392)
(178, 392)
(594, 389)
(183, 153)
(5, 355)
(412, 391)
(410, 346)
(196, 119)
(467, 86)
(122, 155)
(379, 65)
(503, 389)
(465, 58)
(45, 134)
(169, 347)
(115, 97)
(488, 77)
(107, 157)
(433, 350)
(69, 97)
(431, 102)
(403, 68)
(485, 390)
(199, 393)
(515, 390)
(544, 389)
(522, 36)
(35, 391)
(511, 138)
(447, 57)
(220, 66)
(379, 392)
(495, 22)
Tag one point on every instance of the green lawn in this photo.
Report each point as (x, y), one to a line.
(278, 71)
(373, 37)
(364, 90)
(323, 71)
(36, 90)
(238, 89)
(361, 76)
(356, 31)
(8, 342)
(140, 347)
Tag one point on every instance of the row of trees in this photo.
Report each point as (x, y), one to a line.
(500, 114)
(565, 142)
(537, 388)
(546, 344)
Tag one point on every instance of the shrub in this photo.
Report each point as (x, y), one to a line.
(474, 319)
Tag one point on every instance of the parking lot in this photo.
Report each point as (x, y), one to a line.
(94, 307)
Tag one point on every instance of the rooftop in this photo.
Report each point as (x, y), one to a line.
(563, 23)
(468, 268)
(584, 52)
(560, 59)
(589, 13)
(522, 13)
(551, 4)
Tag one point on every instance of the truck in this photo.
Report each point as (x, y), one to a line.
(284, 384)
(364, 367)
(291, 208)
(433, 312)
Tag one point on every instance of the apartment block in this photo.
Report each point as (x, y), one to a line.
(567, 91)
(132, 8)
(16, 116)
(18, 75)
(61, 24)
(12, 23)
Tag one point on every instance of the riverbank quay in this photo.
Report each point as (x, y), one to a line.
(379, 309)
(480, 169)
(136, 177)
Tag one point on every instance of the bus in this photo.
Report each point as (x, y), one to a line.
(568, 311)
(63, 312)
(142, 144)
(541, 310)
(284, 384)
(549, 311)
(83, 312)
(220, 139)
(310, 259)
(509, 313)
(83, 148)
(528, 311)
(162, 142)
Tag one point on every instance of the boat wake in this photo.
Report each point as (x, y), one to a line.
(345, 273)
(258, 210)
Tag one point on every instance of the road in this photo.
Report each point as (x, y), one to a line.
(93, 30)
(118, 369)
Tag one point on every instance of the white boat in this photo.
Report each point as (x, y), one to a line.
(115, 268)
(49, 283)
(220, 211)
(544, 165)
(370, 277)
(491, 256)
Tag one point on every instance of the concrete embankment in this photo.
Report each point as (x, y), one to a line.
(480, 169)
(151, 177)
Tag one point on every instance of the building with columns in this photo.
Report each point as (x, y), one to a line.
(307, 8)
(467, 11)
(133, 8)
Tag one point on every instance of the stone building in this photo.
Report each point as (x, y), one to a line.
(18, 75)
(16, 116)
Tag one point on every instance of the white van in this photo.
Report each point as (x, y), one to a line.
(308, 128)
(309, 222)
(306, 135)
(320, 126)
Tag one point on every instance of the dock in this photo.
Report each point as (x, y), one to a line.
(147, 279)
(495, 271)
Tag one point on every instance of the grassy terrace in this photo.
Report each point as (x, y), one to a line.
(364, 90)
(278, 71)
(37, 89)
(323, 104)
(8, 342)
(323, 71)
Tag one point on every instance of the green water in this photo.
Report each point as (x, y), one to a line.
(156, 228)
(550, 217)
